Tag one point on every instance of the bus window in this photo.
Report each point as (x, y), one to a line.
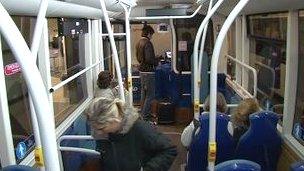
(231, 51)
(17, 93)
(67, 57)
(268, 56)
(185, 34)
(120, 42)
(298, 127)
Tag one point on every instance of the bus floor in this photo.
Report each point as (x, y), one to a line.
(173, 132)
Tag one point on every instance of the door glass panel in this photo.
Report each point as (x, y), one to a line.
(17, 93)
(67, 57)
(298, 126)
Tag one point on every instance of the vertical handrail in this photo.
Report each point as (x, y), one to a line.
(36, 88)
(213, 79)
(128, 49)
(34, 49)
(253, 70)
(101, 46)
(173, 33)
(195, 57)
(200, 57)
(114, 49)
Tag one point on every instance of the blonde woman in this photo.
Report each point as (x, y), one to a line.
(221, 106)
(240, 119)
(131, 143)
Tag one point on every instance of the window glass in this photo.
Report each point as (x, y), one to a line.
(298, 127)
(185, 34)
(120, 42)
(17, 93)
(231, 51)
(67, 57)
(268, 56)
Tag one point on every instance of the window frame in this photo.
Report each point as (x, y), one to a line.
(7, 154)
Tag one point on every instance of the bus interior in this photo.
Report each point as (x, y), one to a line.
(241, 48)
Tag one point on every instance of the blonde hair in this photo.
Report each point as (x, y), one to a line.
(245, 108)
(221, 104)
(103, 110)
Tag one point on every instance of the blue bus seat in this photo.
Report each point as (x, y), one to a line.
(18, 168)
(79, 161)
(261, 143)
(162, 81)
(298, 166)
(198, 152)
(238, 165)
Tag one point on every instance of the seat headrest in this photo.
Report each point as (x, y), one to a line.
(264, 117)
(261, 121)
(221, 119)
(238, 165)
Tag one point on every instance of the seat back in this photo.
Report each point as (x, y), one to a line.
(80, 161)
(18, 168)
(261, 143)
(298, 166)
(238, 165)
(198, 152)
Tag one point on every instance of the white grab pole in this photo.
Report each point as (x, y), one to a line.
(114, 50)
(195, 57)
(173, 34)
(213, 79)
(36, 88)
(100, 42)
(39, 27)
(34, 49)
(129, 56)
(250, 68)
(200, 57)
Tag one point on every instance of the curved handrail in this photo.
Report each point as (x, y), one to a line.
(213, 79)
(114, 50)
(36, 88)
(195, 55)
(127, 12)
(76, 149)
(200, 57)
(254, 72)
(40, 22)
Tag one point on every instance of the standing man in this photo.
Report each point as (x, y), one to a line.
(146, 58)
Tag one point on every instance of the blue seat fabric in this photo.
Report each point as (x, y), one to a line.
(198, 152)
(238, 165)
(261, 143)
(18, 168)
(298, 166)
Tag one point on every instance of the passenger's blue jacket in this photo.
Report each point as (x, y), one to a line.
(141, 147)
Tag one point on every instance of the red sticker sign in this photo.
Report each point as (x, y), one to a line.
(12, 69)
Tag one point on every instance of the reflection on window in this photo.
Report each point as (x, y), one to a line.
(67, 57)
(298, 127)
(270, 26)
(268, 56)
(120, 43)
(17, 93)
(231, 51)
(185, 34)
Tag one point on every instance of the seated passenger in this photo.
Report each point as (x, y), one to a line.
(131, 143)
(240, 119)
(186, 137)
(108, 87)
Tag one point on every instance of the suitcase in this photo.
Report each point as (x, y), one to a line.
(165, 112)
